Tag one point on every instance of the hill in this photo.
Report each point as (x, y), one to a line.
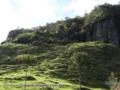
(73, 52)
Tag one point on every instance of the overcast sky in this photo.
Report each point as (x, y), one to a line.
(30, 13)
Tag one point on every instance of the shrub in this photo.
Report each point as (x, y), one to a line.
(25, 38)
(26, 59)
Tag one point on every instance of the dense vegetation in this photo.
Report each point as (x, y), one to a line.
(62, 53)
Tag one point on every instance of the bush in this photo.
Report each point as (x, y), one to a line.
(25, 38)
(26, 59)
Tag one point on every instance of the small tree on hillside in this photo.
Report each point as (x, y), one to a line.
(78, 59)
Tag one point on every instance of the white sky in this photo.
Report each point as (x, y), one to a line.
(30, 13)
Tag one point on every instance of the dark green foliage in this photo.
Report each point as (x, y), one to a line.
(25, 38)
(102, 12)
(27, 78)
(84, 88)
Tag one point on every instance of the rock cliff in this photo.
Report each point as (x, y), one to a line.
(12, 34)
(104, 30)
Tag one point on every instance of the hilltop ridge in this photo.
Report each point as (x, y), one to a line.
(102, 24)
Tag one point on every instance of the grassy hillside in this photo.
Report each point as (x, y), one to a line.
(65, 55)
(58, 64)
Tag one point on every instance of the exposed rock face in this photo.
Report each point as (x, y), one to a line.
(104, 31)
(61, 33)
(13, 34)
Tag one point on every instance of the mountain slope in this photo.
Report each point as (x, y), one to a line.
(81, 50)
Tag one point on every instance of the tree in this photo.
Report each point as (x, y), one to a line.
(78, 60)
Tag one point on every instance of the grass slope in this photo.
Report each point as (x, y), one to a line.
(54, 64)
